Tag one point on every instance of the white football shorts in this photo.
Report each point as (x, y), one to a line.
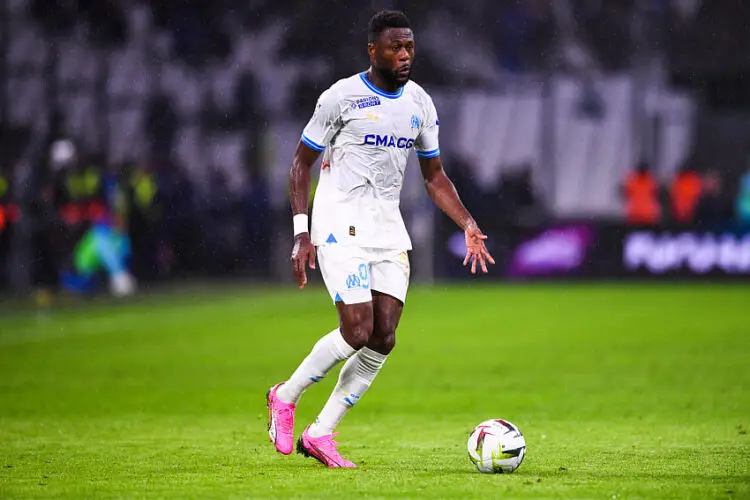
(351, 273)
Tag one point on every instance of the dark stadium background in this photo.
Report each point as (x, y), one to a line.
(546, 107)
(616, 315)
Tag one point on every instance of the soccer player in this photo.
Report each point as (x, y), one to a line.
(366, 126)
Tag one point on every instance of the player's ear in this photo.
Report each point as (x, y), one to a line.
(371, 49)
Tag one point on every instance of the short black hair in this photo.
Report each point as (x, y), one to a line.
(386, 19)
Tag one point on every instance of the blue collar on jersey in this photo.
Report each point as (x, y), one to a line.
(389, 95)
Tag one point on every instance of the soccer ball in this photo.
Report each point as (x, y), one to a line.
(496, 446)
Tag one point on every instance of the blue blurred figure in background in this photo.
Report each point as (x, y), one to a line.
(102, 252)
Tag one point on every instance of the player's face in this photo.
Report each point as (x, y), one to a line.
(393, 54)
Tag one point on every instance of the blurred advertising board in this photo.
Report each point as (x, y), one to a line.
(575, 249)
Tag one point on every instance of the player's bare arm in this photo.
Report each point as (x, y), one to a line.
(299, 194)
(443, 193)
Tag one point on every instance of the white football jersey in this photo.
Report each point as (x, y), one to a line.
(367, 135)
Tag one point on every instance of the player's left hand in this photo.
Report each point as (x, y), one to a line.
(476, 251)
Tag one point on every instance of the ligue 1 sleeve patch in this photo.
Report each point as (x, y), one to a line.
(352, 231)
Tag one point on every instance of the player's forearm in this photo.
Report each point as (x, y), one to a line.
(299, 186)
(443, 193)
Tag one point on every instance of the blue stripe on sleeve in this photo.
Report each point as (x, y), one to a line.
(428, 154)
(312, 144)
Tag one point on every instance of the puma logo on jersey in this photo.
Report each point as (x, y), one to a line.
(373, 116)
(388, 141)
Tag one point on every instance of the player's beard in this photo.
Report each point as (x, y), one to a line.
(393, 78)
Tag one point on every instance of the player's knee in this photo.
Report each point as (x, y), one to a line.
(357, 329)
(383, 341)
(357, 335)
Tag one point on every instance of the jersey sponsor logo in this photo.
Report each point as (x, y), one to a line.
(366, 102)
(388, 141)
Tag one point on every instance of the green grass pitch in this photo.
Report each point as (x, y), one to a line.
(621, 391)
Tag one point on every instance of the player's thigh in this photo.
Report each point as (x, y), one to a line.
(387, 312)
(346, 273)
(356, 323)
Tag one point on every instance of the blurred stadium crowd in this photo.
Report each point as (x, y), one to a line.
(161, 121)
(690, 198)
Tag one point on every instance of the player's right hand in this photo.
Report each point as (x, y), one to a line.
(302, 254)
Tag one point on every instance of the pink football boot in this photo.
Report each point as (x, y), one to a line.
(323, 449)
(280, 421)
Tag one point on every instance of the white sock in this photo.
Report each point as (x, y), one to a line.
(355, 378)
(326, 353)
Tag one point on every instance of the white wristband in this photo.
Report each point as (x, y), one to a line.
(300, 224)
